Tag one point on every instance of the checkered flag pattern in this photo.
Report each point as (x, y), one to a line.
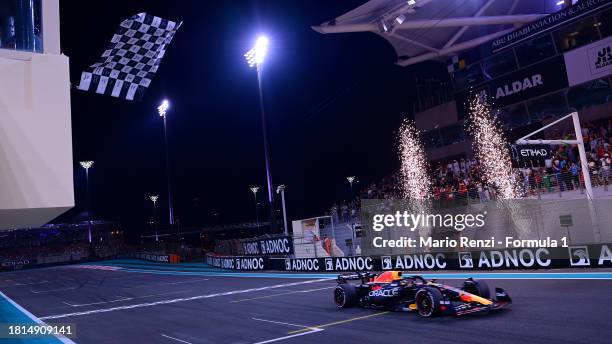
(455, 64)
(128, 65)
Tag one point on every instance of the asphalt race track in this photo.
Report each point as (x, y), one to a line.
(141, 302)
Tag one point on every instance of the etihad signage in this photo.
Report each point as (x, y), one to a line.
(531, 153)
(590, 62)
(549, 22)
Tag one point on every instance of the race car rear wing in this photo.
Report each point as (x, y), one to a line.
(359, 276)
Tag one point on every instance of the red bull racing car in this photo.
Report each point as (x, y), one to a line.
(393, 291)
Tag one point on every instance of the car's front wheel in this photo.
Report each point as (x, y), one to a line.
(345, 295)
(477, 287)
(428, 302)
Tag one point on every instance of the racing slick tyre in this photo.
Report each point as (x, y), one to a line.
(477, 287)
(345, 295)
(427, 300)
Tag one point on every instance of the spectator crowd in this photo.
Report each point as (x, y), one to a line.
(461, 180)
(66, 242)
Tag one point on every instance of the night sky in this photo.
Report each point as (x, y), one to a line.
(333, 104)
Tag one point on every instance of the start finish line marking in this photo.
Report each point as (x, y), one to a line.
(164, 302)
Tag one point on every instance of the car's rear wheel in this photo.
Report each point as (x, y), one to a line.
(345, 295)
(428, 302)
(477, 287)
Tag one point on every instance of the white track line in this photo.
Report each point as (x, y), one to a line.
(314, 330)
(53, 290)
(122, 299)
(178, 340)
(281, 323)
(280, 294)
(164, 302)
(168, 283)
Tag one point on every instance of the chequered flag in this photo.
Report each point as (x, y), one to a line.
(455, 64)
(128, 65)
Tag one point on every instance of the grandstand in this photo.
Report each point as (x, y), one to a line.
(60, 243)
(464, 38)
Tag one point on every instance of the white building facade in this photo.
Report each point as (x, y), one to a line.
(36, 165)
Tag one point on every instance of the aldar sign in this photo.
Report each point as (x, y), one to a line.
(530, 82)
(533, 81)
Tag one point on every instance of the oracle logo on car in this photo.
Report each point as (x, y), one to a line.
(384, 292)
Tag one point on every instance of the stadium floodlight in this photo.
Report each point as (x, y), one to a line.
(254, 190)
(162, 109)
(281, 189)
(256, 56)
(87, 164)
(154, 199)
(351, 179)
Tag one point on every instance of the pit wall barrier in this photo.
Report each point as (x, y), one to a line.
(580, 256)
(160, 258)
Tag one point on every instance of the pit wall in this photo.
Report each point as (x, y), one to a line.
(579, 256)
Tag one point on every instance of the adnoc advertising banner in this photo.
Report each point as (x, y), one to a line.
(268, 246)
(589, 62)
(572, 256)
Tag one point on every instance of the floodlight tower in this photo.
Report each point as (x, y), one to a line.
(281, 189)
(254, 190)
(154, 199)
(255, 58)
(87, 164)
(351, 179)
(162, 110)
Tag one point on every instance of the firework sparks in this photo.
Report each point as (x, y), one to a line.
(415, 182)
(491, 149)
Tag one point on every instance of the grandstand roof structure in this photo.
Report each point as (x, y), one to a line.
(421, 30)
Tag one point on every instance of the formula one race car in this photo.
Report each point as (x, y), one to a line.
(393, 291)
